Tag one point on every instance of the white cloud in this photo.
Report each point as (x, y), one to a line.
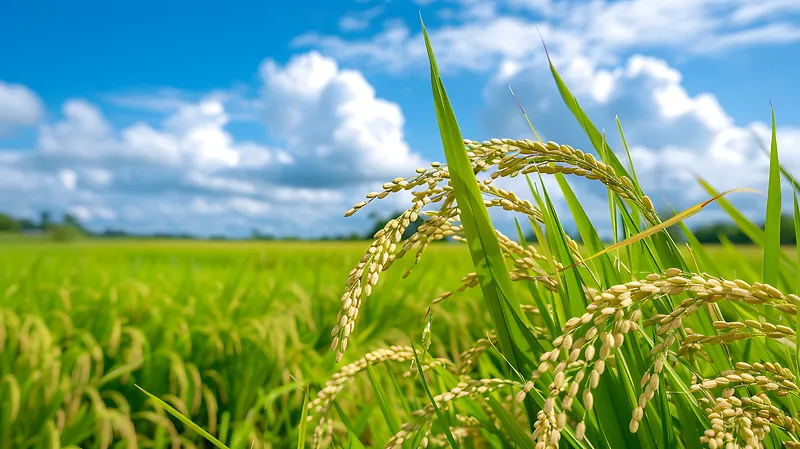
(97, 177)
(752, 11)
(68, 178)
(194, 136)
(165, 100)
(19, 106)
(240, 205)
(334, 139)
(360, 20)
(774, 33)
(89, 213)
(483, 35)
(332, 121)
(674, 136)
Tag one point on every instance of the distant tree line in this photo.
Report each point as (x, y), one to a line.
(378, 222)
(70, 228)
(709, 233)
(712, 232)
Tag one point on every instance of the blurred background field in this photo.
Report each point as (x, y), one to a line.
(231, 330)
(227, 332)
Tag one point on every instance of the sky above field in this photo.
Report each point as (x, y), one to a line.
(219, 118)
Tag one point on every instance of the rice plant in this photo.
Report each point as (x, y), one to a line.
(630, 345)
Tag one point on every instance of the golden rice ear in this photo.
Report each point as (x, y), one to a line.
(618, 310)
(508, 158)
(469, 388)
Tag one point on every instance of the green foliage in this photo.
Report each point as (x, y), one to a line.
(8, 224)
(65, 233)
(710, 233)
(484, 247)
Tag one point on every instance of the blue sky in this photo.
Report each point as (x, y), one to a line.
(211, 118)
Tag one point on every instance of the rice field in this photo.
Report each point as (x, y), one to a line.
(228, 333)
(487, 340)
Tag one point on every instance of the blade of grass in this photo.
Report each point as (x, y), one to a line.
(535, 293)
(354, 441)
(588, 232)
(663, 225)
(772, 227)
(598, 142)
(559, 308)
(515, 431)
(784, 170)
(380, 396)
(188, 422)
(797, 285)
(484, 248)
(630, 158)
(576, 299)
(301, 435)
(398, 390)
(445, 420)
(754, 233)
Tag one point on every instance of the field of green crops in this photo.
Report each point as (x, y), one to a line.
(228, 333)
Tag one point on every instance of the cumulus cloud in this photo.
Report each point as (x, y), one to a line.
(331, 120)
(601, 48)
(674, 136)
(19, 106)
(331, 139)
(484, 34)
(193, 137)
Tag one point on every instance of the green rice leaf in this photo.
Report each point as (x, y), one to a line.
(752, 231)
(589, 235)
(353, 441)
(575, 300)
(518, 435)
(630, 159)
(597, 139)
(484, 248)
(380, 396)
(772, 230)
(535, 292)
(190, 424)
(443, 418)
(797, 285)
(301, 431)
(663, 225)
(795, 183)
